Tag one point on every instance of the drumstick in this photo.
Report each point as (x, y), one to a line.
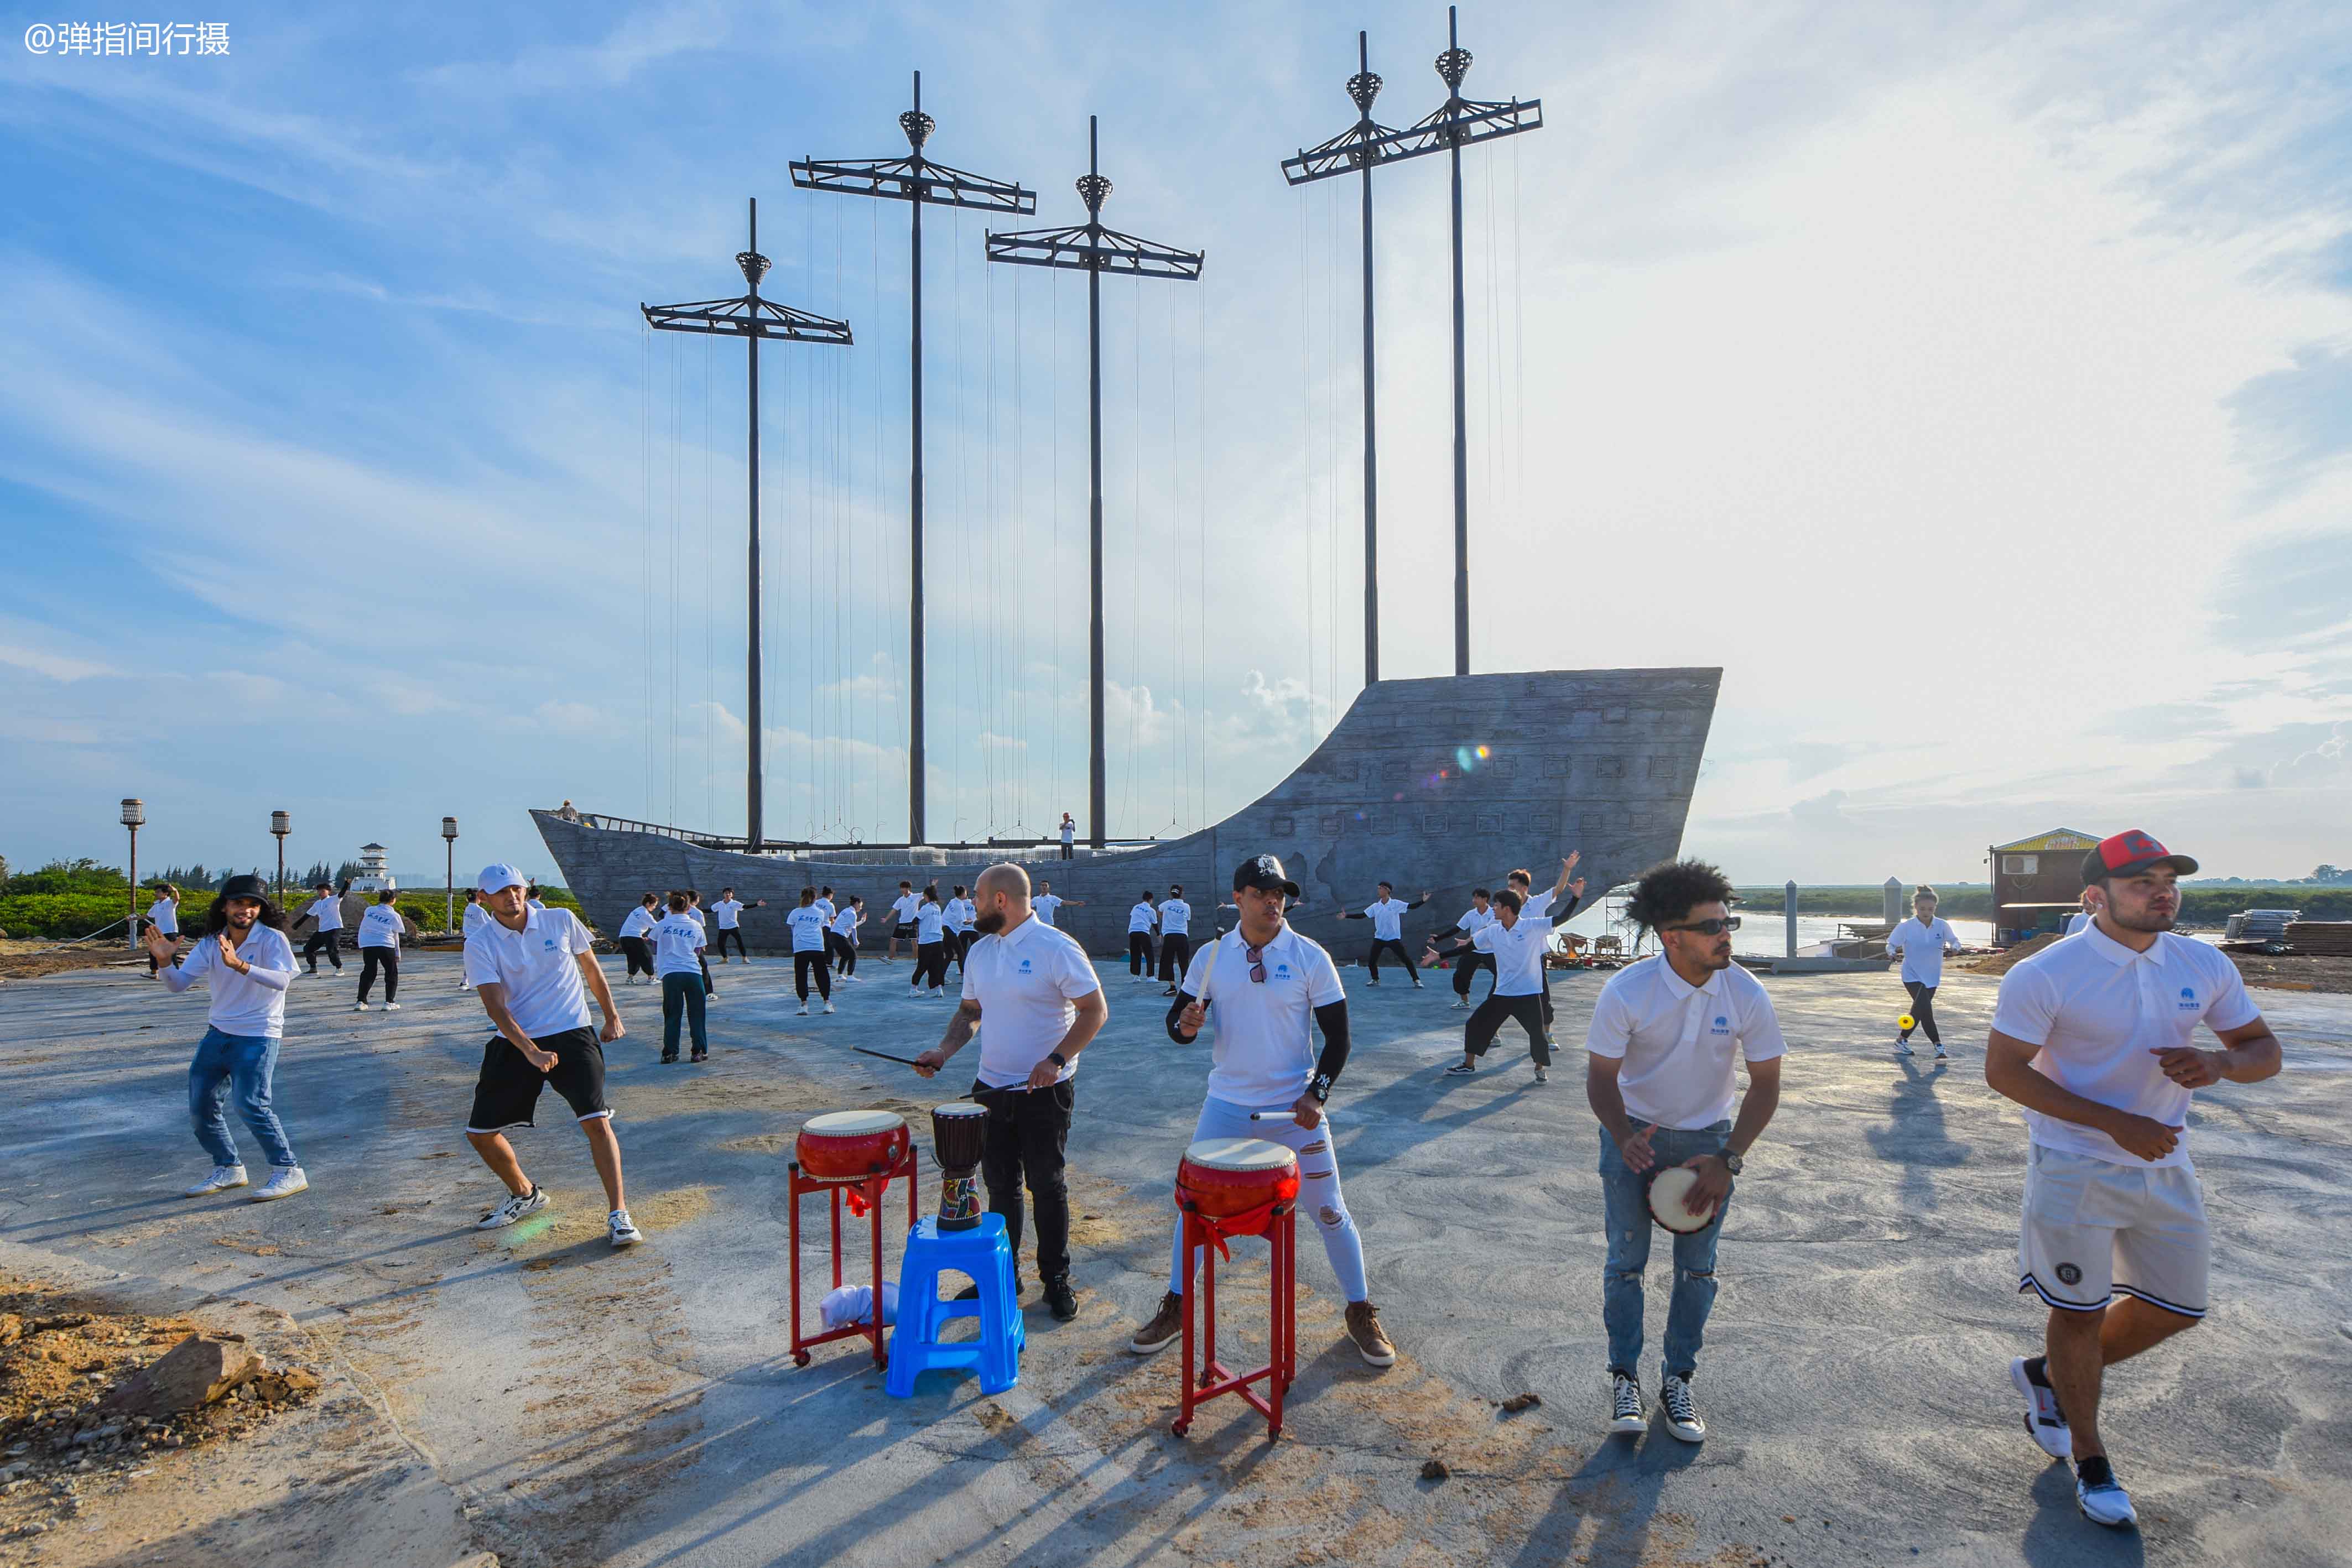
(885, 1055)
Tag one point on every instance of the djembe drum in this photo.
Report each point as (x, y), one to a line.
(959, 1137)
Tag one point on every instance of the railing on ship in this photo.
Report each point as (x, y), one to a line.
(736, 844)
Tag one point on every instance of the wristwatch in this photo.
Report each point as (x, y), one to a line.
(1057, 1058)
(1732, 1162)
(1320, 1087)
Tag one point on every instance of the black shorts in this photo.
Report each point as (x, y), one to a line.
(905, 930)
(508, 1090)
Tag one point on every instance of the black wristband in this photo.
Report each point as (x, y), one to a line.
(1057, 1058)
(1320, 1087)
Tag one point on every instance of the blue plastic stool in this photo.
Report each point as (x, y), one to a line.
(983, 1253)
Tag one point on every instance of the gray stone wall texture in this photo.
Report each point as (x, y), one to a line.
(1598, 760)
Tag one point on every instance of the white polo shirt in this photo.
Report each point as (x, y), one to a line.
(538, 966)
(637, 922)
(251, 1004)
(1387, 916)
(1922, 949)
(677, 945)
(1141, 916)
(1044, 905)
(1519, 953)
(165, 915)
(927, 919)
(1027, 982)
(845, 925)
(1474, 919)
(903, 908)
(2098, 1010)
(696, 915)
(808, 928)
(475, 915)
(726, 909)
(327, 912)
(2077, 921)
(1262, 1035)
(1535, 904)
(1175, 918)
(381, 927)
(960, 913)
(1069, 833)
(1676, 1041)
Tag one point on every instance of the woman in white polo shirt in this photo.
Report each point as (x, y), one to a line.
(1042, 1002)
(930, 947)
(678, 941)
(1271, 987)
(381, 928)
(840, 939)
(535, 970)
(1659, 1076)
(1142, 917)
(959, 912)
(810, 957)
(634, 946)
(1921, 943)
(1175, 937)
(2091, 1035)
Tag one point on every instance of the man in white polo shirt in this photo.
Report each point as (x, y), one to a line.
(959, 912)
(326, 912)
(475, 915)
(1046, 903)
(1271, 988)
(1175, 936)
(728, 913)
(2092, 1036)
(534, 969)
(1659, 1076)
(1922, 942)
(1142, 919)
(1042, 1002)
(634, 946)
(811, 955)
(1468, 959)
(902, 920)
(1387, 914)
(1516, 944)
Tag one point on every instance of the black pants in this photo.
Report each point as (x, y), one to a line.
(1068, 853)
(803, 965)
(707, 988)
(322, 940)
(682, 1003)
(1468, 961)
(931, 965)
(1027, 1132)
(1373, 960)
(1175, 952)
(959, 947)
(1923, 1010)
(1487, 1021)
(1139, 952)
(736, 932)
(383, 960)
(640, 957)
(844, 954)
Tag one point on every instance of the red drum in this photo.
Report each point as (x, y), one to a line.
(1220, 1177)
(850, 1145)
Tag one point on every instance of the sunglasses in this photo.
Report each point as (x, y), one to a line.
(1708, 927)
(1256, 957)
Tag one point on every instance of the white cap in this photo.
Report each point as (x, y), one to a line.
(500, 877)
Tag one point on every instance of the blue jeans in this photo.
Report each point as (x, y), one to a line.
(241, 1063)
(682, 1001)
(1625, 1197)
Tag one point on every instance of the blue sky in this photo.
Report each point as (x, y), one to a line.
(1972, 383)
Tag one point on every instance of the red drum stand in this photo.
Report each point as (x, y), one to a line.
(864, 1194)
(1205, 1235)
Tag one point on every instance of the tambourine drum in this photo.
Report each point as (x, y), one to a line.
(959, 1137)
(1224, 1176)
(1668, 1187)
(845, 1145)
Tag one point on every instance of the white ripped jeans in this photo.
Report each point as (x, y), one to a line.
(1319, 1185)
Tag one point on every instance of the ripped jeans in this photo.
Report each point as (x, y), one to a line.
(1320, 1203)
(1625, 1197)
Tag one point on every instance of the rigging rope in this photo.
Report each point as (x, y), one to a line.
(1306, 435)
(709, 612)
(1134, 550)
(645, 545)
(1201, 545)
(1020, 562)
(988, 546)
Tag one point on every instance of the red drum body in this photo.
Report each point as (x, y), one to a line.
(850, 1145)
(1220, 1177)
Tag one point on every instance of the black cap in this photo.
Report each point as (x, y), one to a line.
(245, 887)
(1264, 873)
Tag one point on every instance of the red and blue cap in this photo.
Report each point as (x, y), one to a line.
(2128, 853)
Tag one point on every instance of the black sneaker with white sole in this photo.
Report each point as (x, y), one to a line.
(1682, 1418)
(1626, 1413)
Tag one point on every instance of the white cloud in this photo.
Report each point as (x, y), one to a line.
(54, 667)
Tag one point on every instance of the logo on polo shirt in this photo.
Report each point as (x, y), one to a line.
(1281, 971)
(551, 944)
(2187, 998)
(1722, 1024)
(1025, 966)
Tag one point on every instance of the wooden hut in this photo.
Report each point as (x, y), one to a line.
(2037, 882)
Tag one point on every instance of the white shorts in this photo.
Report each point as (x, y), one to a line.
(2093, 1227)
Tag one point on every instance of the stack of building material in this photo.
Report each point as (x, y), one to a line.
(2260, 925)
(2325, 938)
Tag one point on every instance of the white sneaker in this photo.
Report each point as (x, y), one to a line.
(283, 1181)
(624, 1230)
(2045, 1422)
(1941, 1054)
(1625, 1411)
(1903, 1048)
(828, 1007)
(221, 1180)
(358, 1007)
(2102, 1498)
(512, 1209)
(392, 1007)
(1459, 1002)
(1542, 1074)
(803, 1010)
(1682, 1418)
(1371, 979)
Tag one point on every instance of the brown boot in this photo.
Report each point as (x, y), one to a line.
(1371, 1342)
(1166, 1325)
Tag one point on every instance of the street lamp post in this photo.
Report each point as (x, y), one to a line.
(449, 892)
(134, 812)
(280, 824)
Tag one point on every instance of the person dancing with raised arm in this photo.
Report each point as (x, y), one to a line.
(1468, 959)
(1271, 988)
(1387, 916)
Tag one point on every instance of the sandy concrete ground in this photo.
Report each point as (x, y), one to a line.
(532, 1394)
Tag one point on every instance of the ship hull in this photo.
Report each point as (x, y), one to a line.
(1598, 760)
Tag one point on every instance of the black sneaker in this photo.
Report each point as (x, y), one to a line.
(1060, 1299)
(700, 1056)
(971, 1292)
(668, 1056)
